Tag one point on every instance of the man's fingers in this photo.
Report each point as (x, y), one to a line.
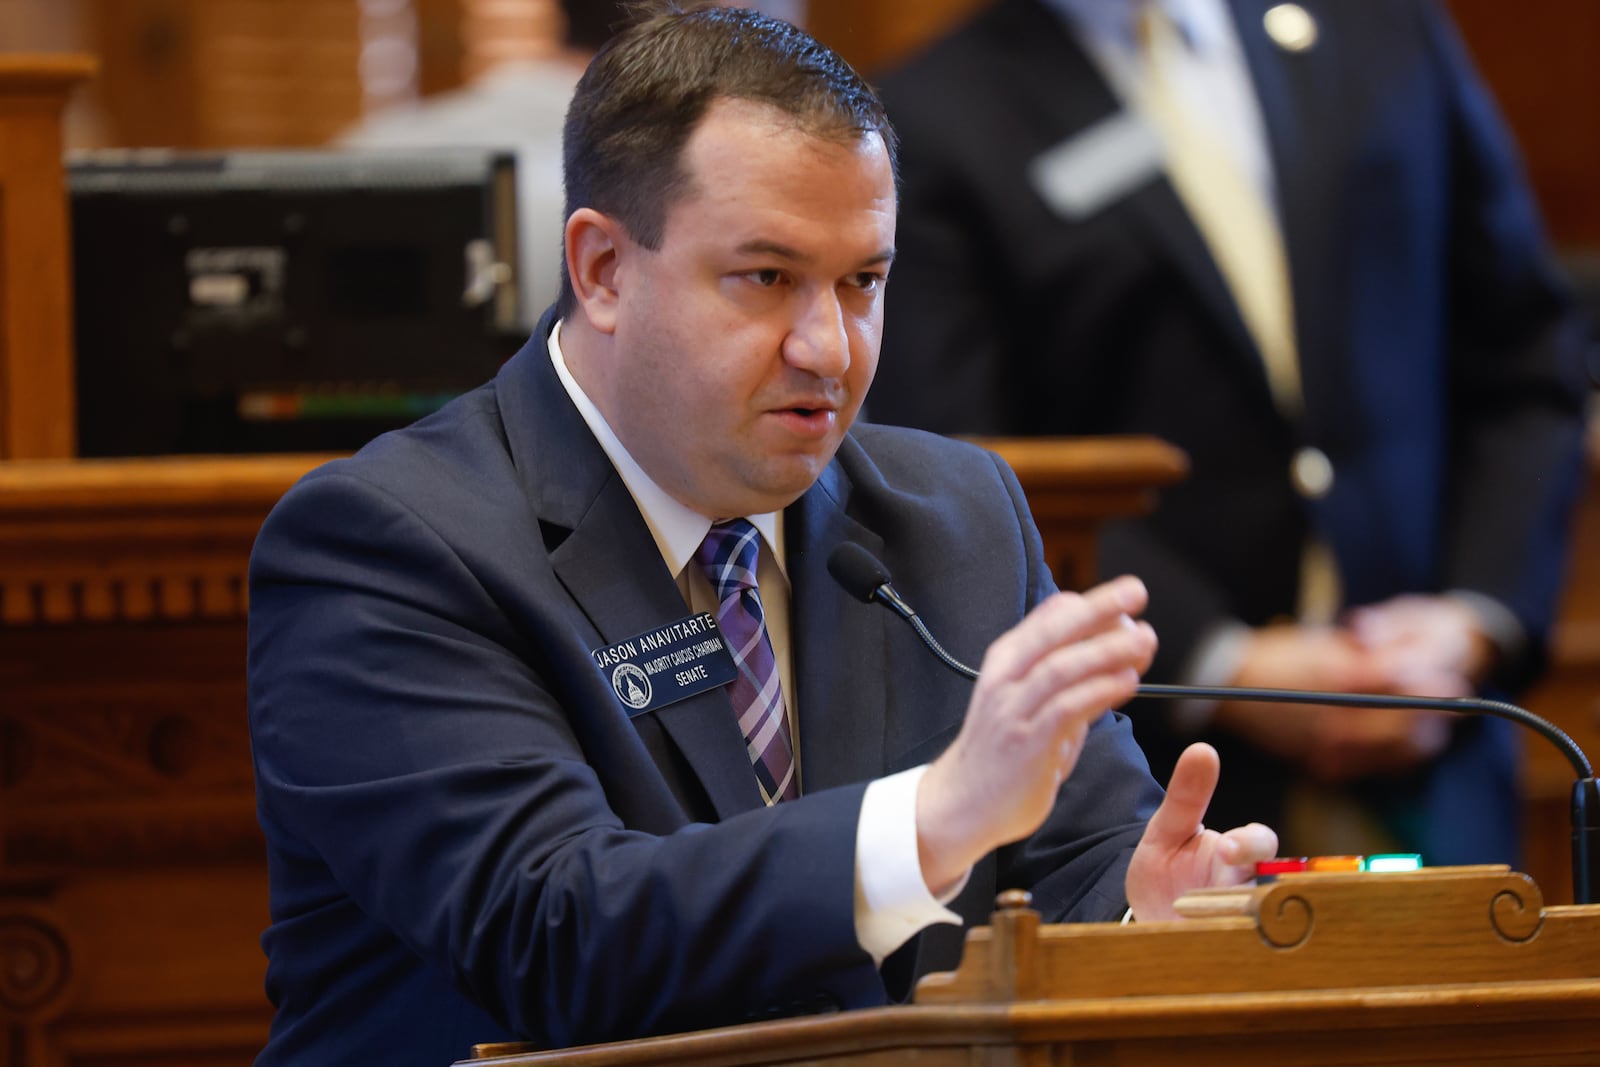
(1183, 811)
(1123, 653)
(1068, 713)
(1061, 620)
(1245, 846)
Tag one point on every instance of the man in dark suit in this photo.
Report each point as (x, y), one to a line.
(561, 729)
(1365, 354)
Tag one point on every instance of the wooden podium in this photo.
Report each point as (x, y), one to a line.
(1455, 965)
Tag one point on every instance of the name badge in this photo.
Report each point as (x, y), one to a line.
(1098, 165)
(667, 664)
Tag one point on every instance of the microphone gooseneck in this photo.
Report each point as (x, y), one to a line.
(867, 579)
(1468, 705)
(862, 575)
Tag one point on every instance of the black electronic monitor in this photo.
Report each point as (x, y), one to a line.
(263, 301)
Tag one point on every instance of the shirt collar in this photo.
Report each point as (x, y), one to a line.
(1199, 21)
(1113, 19)
(1204, 23)
(678, 530)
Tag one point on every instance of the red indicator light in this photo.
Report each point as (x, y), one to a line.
(1281, 865)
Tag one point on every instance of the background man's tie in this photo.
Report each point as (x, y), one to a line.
(1231, 211)
(1240, 227)
(728, 557)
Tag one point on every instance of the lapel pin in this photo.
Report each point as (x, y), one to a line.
(1291, 27)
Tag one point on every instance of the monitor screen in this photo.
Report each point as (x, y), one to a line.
(285, 301)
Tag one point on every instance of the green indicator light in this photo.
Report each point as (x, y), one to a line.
(1393, 861)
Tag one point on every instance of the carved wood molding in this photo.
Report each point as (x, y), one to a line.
(114, 541)
(157, 833)
(97, 789)
(1448, 965)
(1313, 931)
(168, 539)
(36, 969)
(232, 1035)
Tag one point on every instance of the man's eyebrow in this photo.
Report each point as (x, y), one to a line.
(762, 247)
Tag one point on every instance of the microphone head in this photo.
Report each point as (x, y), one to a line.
(858, 570)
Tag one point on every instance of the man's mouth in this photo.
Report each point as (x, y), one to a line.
(811, 420)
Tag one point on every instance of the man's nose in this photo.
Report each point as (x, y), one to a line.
(818, 341)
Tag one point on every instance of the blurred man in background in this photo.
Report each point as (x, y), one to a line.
(1294, 240)
(518, 104)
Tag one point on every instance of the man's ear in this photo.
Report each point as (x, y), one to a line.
(594, 242)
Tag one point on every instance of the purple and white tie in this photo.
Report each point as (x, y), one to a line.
(728, 557)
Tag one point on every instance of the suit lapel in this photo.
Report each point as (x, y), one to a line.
(1301, 110)
(624, 598)
(837, 645)
(1159, 212)
(603, 553)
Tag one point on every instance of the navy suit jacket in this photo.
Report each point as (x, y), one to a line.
(1439, 355)
(469, 837)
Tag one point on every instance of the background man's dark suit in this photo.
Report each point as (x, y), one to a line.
(1437, 352)
(517, 859)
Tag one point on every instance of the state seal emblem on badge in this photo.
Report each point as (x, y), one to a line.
(632, 685)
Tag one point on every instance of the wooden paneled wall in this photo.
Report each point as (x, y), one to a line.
(459, 39)
(1539, 60)
(269, 73)
(223, 73)
(35, 26)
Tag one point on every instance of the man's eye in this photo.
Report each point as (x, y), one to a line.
(767, 278)
(867, 280)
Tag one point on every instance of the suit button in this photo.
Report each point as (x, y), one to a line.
(1311, 473)
(1291, 27)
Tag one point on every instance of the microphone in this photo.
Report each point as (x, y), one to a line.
(866, 579)
(863, 576)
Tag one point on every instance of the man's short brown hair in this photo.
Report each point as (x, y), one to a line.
(647, 90)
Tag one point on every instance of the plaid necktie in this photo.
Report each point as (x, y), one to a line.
(728, 558)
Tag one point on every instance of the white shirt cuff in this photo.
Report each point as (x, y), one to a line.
(893, 903)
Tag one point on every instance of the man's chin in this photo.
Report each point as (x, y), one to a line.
(782, 483)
